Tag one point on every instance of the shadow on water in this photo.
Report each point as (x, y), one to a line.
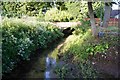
(40, 65)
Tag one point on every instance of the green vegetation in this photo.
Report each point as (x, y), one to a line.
(18, 9)
(76, 70)
(110, 29)
(23, 33)
(21, 38)
(65, 11)
(80, 46)
(61, 72)
(81, 43)
(55, 15)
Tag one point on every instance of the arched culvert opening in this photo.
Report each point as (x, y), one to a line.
(68, 31)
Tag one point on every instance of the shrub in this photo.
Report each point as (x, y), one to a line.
(81, 30)
(20, 38)
(55, 15)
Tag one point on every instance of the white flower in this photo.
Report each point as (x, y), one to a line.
(102, 55)
(93, 63)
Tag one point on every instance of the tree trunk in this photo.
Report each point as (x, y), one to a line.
(92, 19)
(106, 15)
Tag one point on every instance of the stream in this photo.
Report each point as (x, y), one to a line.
(40, 66)
(44, 66)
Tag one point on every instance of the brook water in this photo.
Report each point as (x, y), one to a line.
(41, 65)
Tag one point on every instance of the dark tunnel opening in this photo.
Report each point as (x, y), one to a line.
(68, 31)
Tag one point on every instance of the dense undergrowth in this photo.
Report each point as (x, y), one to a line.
(20, 38)
(81, 45)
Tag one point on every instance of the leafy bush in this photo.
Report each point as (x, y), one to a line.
(20, 38)
(57, 15)
(77, 9)
(80, 30)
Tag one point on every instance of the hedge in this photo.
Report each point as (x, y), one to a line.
(20, 38)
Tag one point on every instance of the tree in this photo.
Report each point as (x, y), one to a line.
(92, 20)
(17, 9)
(106, 14)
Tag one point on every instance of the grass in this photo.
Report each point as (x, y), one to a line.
(83, 45)
(109, 29)
(54, 54)
(75, 44)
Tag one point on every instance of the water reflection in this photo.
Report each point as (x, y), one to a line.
(47, 74)
(54, 62)
(47, 62)
(50, 64)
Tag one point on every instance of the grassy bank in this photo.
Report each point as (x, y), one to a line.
(77, 50)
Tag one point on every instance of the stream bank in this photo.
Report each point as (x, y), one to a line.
(52, 64)
(37, 67)
(40, 65)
